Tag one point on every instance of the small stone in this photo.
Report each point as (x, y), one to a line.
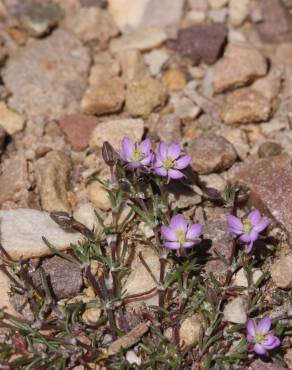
(22, 231)
(213, 181)
(211, 153)
(184, 107)
(38, 19)
(132, 358)
(240, 65)
(238, 138)
(196, 16)
(12, 122)
(144, 96)
(52, 175)
(85, 214)
(114, 131)
(240, 278)
(65, 278)
(288, 357)
(202, 42)
(142, 39)
(47, 77)
(107, 97)
(78, 129)
(201, 5)
(238, 11)
(269, 149)
(91, 315)
(235, 311)
(263, 365)
(189, 331)
(270, 85)
(4, 294)
(167, 128)
(245, 106)
(132, 65)
(281, 272)
(93, 23)
(174, 80)
(98, 196)
(218, 15)
(155, 60)
(217, 4)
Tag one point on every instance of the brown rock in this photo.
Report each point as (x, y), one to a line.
(78, 129)
(98, 196)
(245, 106)
(4, 294)
(174, 80)
(261, 365)
(269, 149)
(132, 65)
(240, 65)
(211, 153)
(202, 42)
(11, 121)
(64, 277)
(167, 128)
(281, 272)
(282, 60)
(52, 175)
(270, 183)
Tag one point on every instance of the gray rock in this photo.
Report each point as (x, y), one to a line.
(235, 311)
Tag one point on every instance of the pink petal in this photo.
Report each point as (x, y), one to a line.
(178, 222)
(173, 151)
(248, 247)
(127, 148)
(194, 231)
(259, 349)
(271, 342)
(188, 244)
(261, 226)
(251, 237)
(172, 245)
(145, 146)
(251, 327)
(254, 217)
(264, 325)
(162, 150)
(145, 161)
(168, 233)
(175, 174)
(235, 224)
(183, 162)
(160, 171)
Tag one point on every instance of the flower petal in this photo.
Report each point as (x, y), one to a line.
(145, 161)
(194, 232)
(172, 245)
(162, 150)
(264, 325)
(261, 225)
(168, 233)
(173, 151)
(271, 342)
(178, 222)
(188, 244)
(248, 247)
(235, 224)
(127, 148)
(175, 174)
(182, 162)
(259, 349)
(251, 237)
(160, 171)
(254, 217)
(145, 146)
(250, 327)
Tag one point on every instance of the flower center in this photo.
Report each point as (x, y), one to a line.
(247, 226)
(168, 163)
(259, 338)
(137, 155)
(181, 236)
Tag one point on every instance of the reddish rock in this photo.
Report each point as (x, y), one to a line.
(270, 182)
(202, 42)
(261, 365)
(78, 129)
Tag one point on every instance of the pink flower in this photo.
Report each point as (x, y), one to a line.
(169, 160)
(179, 234)
(137, 155)
(247, 229)
(260, 336)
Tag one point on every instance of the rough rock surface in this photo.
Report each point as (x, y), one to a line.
(22, 231)
(265, 365)
(235, 311)
(11, 121)
(42, 88)
(281, 271)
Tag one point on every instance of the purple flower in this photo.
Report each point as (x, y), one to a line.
(169, 161)
(247, 229)
(179, 234)
(260, 336)
(137, 155)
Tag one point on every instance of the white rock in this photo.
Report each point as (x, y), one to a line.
(11, 121)
(281, 271)
(155, 60)
(142, 39)
(184, 107)
(240, 278)
(218, 15)
(114, 131)
(22, 231)
(214, 181)
(196, 16)
(235, 311)
(132, 358)
(217, 4)
(238, 11)
(85, 214)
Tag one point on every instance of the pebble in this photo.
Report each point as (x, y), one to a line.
(155, 60)
(211, 153)
(85, 213)
(235, 311)
(213, 181)
(270, 85)
(269, 149)
(5, 283)
(184, 107)
(167, 127)
(217, 4)
(270, 183)
(41, 87)
(52, 176)
(78, 129)
(22, 231)
(98, 196)
(218, 15)
(238, 138)
(114, 131)
(281, 271)
(202, 42)
(238, 12)
(11, 121)
(132, 65)
(143, 96)
(174, 80)
(240, 278)
(196, 16)
(263, 365)
(142, 39)
(241, 65)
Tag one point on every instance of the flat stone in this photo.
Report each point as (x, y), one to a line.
(98, 196)
(12, 122)
(281, 271)
(241, 65)
(142, 39)
(245, 106)
(64, 277)
(22, 231)
(211, 153)
(235, 311)
(238, 11)
(78, 129)
(270, 183)
(85, 214)
(202, 42)
(269, 149)
(47, 77)
(174, 80)
(52, 175)
(155, 60)
(115, 130)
